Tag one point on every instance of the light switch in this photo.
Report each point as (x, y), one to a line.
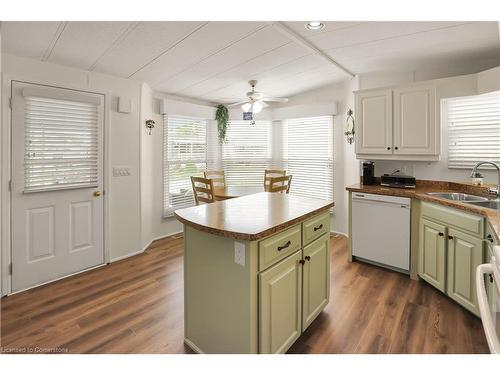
(121, 171)
(239, 253)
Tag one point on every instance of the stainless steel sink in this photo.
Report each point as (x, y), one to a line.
(493, 204)
(463, 197)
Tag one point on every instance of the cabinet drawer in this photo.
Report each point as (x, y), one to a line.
(470, 223)
(277, 247)
(315, 227)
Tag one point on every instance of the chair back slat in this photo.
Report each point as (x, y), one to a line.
(280, 184)
(270, 173)
(203, 190)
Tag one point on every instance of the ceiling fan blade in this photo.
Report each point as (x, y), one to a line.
(277, 100)
(264, 104)
(237, 103)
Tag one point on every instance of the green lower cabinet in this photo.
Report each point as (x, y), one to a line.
(280, 296)
(432, 254)
(465, 253)
(316, 280)
(450, 247)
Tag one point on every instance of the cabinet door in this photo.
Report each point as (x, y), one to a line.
(280, 291)
(465, 253)
(374, 122)
(432, 253)
(315, 279)
(415, 131)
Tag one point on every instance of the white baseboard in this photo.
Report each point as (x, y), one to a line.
(126, 256)
(144, 248)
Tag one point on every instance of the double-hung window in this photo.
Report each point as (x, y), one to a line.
(184, 155)
(473, 130)
(309, 155)
(246, 152)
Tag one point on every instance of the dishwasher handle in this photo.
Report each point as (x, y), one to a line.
(381, 202)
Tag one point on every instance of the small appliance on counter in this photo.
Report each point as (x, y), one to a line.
(368, 173)
(398, 180)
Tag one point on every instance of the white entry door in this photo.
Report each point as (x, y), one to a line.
(57, 183)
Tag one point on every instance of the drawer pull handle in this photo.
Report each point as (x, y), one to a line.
(307, 257)
(284, 246)
(318, 227)
(450, 237)
(490, 238)
(302, 261)
(441, 234)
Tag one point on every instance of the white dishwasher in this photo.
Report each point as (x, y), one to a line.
(381, 230)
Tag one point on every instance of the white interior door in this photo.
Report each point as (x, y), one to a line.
(57, 183)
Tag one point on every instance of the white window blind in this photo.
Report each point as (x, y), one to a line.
(473, 130)
(309, 156)
(246, 152)
(184, 155)
(61, 144)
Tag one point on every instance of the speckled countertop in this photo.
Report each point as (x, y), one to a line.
(252, 217)
(424, 187)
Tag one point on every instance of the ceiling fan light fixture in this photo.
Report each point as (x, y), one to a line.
(246, 107)
(314, 25)
(257, 107)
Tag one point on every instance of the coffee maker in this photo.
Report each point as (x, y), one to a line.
(368, 173)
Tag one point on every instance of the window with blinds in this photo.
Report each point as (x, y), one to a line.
(61, 144)
(246, 152)
(184, 155)
(473, 130)
(309, 156)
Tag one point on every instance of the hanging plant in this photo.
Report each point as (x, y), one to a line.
(222, 117)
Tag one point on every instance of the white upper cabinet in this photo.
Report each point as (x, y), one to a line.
(398, 123)
(415, 120)
(374, 122)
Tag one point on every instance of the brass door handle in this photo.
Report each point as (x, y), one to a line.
(97, 193)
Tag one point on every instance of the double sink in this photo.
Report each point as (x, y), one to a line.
(469, 199)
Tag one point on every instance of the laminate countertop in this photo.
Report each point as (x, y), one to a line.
(252, 217)
(424, 187)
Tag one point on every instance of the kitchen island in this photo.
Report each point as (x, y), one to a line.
(256, 271)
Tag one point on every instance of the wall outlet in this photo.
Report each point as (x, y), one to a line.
(121, 171)
(239, 253)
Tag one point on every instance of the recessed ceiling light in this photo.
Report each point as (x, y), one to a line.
(315, 25)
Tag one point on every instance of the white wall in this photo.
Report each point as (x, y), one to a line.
(123, 144)
(147, 171)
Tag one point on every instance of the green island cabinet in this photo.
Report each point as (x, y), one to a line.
(255, 295)
(450, 249)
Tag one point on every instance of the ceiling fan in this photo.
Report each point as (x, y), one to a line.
(255, 100)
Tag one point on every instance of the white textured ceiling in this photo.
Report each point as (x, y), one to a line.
(214, 60)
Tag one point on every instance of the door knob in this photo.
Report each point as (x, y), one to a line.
(97, 193)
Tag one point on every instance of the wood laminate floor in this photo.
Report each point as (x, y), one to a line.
(136, 306)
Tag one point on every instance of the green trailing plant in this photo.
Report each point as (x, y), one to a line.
(222, 117)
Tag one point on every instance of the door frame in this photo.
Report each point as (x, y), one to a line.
(6, 175)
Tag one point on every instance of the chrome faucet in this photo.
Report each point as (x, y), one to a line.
(496, 190)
